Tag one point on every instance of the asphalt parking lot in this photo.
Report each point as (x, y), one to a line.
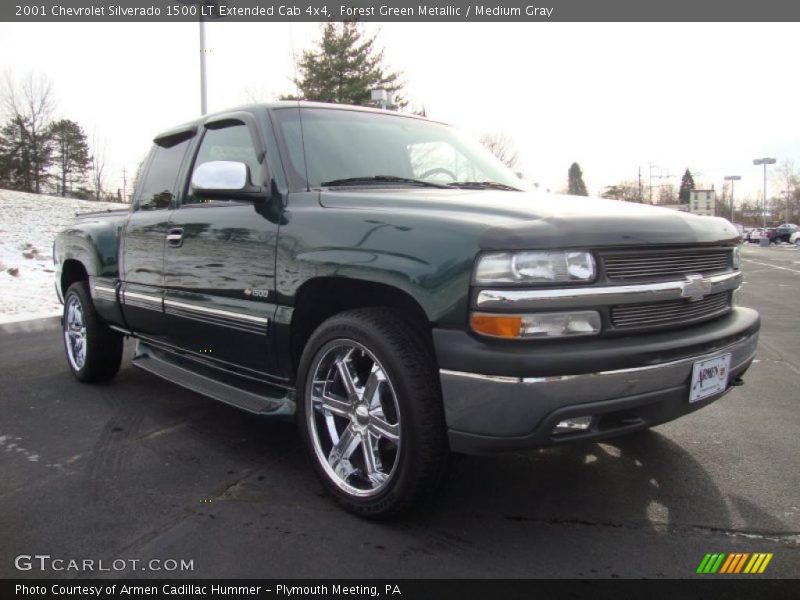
(141, 469)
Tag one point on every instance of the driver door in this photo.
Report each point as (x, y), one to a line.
(219, 263)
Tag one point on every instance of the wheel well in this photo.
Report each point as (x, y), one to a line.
(320, 299)
(72, 271)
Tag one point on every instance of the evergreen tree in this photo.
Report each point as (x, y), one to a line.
(4, 169)
(25, 156)
(576, 186)
(71, 152)
(344, 68)
(9, 155)
(687, 184)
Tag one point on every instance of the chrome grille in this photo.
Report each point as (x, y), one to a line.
(673, 312)
(631, 267)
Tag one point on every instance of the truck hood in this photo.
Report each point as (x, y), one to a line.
(518, 220)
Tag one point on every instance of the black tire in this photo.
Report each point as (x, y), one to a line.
(102, 353)
(388, 342)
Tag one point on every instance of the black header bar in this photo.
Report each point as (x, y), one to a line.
(401, 10)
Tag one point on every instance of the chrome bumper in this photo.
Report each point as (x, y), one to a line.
(484, 411)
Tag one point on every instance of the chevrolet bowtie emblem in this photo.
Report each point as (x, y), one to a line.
(695, 288)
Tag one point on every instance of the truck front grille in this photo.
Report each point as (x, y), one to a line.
(672, 312)
(665, 265)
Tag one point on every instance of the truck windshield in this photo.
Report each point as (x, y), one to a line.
(335, 147)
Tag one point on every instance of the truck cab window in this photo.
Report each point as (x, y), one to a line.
(227, 143)
(158, 187)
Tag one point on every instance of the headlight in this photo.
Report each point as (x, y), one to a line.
(535, 267)
(737, 257)
(537, 325)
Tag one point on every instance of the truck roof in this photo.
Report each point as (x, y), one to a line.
(192, 126)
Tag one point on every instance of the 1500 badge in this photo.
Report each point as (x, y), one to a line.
(256, 293)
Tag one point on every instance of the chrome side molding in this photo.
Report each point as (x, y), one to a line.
(216, 311)
(105, 293)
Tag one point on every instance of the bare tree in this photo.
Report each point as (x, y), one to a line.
(667, 194)
(503, 148)
(98, 167)
(29, 104)
(749, 212)
(258, 94)
(788, 178)
(624, 190)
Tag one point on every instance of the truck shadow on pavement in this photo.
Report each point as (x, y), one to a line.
(644, 480)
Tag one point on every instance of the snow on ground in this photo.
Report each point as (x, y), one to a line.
(28, 225)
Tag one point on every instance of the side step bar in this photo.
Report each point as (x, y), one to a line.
(281, 403)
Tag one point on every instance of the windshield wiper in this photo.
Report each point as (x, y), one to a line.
(382, 179)
(484, 185)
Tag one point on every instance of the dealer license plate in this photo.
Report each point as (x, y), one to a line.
(709, 377)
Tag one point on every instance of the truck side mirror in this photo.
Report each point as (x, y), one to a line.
(219, 176)
(223, 178)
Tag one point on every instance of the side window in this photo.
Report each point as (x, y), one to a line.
(158, 187)
(228, 143)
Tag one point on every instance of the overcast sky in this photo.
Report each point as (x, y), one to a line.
(614, 97)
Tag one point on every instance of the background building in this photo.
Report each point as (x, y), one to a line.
(703, 202)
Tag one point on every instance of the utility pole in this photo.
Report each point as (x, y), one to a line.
(662, 174)
(124, 185)
(650, 181)
(764, 161)
(641, 199)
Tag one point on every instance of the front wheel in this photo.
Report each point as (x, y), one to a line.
(94, 352)
(370, 411)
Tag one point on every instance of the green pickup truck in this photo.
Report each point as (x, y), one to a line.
(391, 284)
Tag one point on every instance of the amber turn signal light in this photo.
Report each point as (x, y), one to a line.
(505, 326)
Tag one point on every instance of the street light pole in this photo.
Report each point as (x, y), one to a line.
(732, 178)
(203, 97)
(765, 162)
(203, 8)
(764, 199)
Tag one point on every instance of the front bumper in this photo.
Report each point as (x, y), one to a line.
(513, 396)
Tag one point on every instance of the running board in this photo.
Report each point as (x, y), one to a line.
(275, 400)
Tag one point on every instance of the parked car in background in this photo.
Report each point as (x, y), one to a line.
(784, 232)
(795, 238)
(756, 234)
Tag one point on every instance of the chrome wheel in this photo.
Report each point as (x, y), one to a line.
(75, 333)
(353, 418)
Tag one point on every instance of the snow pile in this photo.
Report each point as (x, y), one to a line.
(28, 226)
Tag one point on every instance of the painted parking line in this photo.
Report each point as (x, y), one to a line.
(755, 262)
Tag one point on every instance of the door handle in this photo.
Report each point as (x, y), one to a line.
(175, 237)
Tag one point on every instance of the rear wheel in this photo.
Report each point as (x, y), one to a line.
(370, 411)
(94, 352)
